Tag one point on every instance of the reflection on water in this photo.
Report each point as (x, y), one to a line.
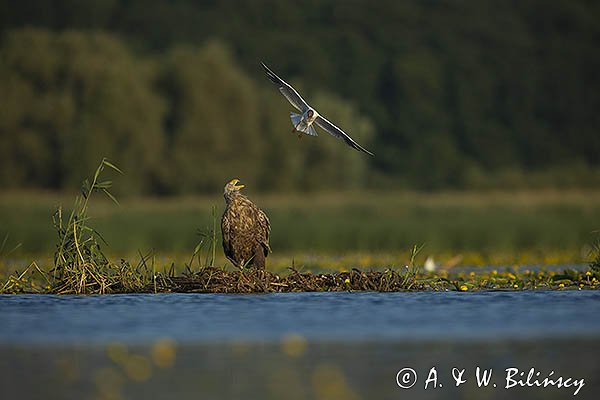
(313, 370)
(294, 346)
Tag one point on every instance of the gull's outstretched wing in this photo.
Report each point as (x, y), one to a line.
(338, 133)
(287, 90)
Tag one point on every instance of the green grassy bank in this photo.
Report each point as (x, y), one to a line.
(493, 227)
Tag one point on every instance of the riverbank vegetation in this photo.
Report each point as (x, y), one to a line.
(145, 278)
(345, 229)
(81, 266)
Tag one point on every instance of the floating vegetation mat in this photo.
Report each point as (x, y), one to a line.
(216, 280)
(220, 280)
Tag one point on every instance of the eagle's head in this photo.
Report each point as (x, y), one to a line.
(232, 187)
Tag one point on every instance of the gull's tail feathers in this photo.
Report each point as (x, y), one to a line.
(296, 118)
(301, 126)
(311, 131)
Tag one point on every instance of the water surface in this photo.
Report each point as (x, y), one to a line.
(340, 317)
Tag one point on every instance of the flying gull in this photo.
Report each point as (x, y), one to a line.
(303, 122)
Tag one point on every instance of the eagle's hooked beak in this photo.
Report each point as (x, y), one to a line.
(234, 182)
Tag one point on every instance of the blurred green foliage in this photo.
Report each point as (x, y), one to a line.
(446, 94)
(492, 224)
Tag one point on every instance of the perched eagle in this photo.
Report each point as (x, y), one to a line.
(245, 229)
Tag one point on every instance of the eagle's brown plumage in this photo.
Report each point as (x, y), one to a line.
(245, 229)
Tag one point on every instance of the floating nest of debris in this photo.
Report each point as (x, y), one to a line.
(126, 279)
(217, 280)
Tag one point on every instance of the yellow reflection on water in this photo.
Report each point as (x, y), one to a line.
(329, 383)
(164, 352)
(294, 345)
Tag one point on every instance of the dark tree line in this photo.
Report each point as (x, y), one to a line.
(446, 94)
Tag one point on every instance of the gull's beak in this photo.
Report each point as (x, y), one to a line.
(235, 182)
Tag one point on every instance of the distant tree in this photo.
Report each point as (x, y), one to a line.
(213, 126)
(283, 161)
(78, 97)
(458, 93)
(328, 162)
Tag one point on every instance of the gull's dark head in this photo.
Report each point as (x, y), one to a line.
(310, 113)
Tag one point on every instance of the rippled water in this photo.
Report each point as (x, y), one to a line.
(346, 317)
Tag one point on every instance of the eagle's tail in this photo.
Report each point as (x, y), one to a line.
(300, 126)
(259, 259)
